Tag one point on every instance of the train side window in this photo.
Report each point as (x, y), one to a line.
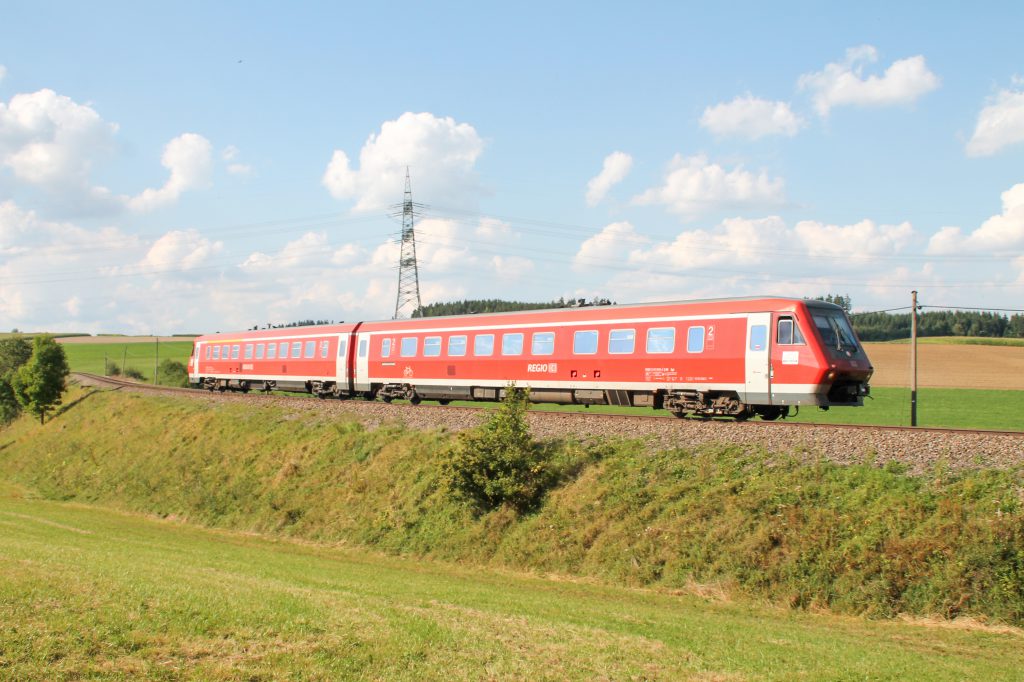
(789, 333)
(216, 352)
(310, 348)
(385, 348)
(260, 350)
(512, 344)
(342, 347)
(584, 342)
(661, 340)
(695, 340)
(323, 348)
(408, 347)
(621, 341)
(248, 351)
(234, 351)
(758, 337)
(284, 350)
(208, 352)
(296, 349)
(483, 344)
(363, 345)
(457, 346)
(432, 346)
(543, 343)
(271, 351)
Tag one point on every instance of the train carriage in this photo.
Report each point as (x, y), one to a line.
(725, 357)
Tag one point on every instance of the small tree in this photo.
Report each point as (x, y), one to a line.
(14, 352)
(39, 383)
(499, 462)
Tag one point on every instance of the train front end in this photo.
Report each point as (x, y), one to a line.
(847, 367)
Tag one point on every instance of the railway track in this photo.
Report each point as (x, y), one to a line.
(95, 379)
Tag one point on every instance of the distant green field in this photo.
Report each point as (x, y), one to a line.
(90, 357)
(88, 593)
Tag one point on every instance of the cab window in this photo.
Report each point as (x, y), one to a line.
(789, 333)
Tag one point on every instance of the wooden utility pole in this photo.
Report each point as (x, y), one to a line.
(156, 363)
(913, 358)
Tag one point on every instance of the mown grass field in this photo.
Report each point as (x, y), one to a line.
(87, 592)
(90, 357)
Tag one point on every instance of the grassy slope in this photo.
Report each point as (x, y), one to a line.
(86, 592)
(854, 539)
(89, 357)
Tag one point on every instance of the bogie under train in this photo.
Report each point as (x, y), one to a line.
(727, 357)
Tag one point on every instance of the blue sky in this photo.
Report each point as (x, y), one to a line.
(199, 166)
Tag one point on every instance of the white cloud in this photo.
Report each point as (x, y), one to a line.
(48, 140)
(615, 168)
(230, 155)
(1000, 232)
(843, 83)
(752, 118)
(511, 267)
(441, 155)
(693, 186)
(492, 228)
(612, 244)
(858, 241)
(1000, 124)
(189, 159)
(180, 250)
(736, 241)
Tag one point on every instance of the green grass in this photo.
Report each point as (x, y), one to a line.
(90, 593)
(936, 407)
(90, 357)
(961, 341)
(855, 539)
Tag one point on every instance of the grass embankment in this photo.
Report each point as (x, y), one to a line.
(855, 539)
(91, 357)
(87, 593)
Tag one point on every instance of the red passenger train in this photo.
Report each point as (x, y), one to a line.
(735, 357)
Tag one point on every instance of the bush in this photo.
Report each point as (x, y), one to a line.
(133, 373)
(172, 373)
(499, 463)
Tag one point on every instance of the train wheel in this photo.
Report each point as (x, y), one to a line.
(770, 414)
(415, 399)
(679, 414)
(443, 402)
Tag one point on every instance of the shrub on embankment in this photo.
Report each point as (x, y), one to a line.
(855, 539)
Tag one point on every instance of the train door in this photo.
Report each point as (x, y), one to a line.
(341, 360)
(758, 366)
(362, 375)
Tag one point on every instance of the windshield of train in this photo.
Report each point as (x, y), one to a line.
(835, 331)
